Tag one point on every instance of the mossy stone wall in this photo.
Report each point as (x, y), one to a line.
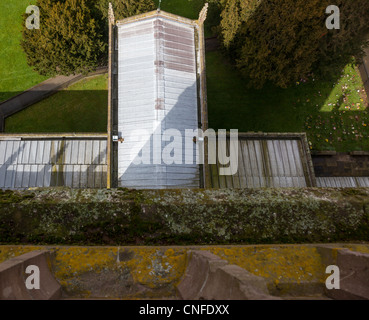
(62, 216)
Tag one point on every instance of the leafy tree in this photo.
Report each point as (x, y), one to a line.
(73, 34)
(285, 40)
(125, 8)
(69, 39)
(338, 46)
(122, 9)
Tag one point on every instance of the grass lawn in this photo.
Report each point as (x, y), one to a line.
(185, 8)
(15, 75)
(80, 108)
(333, 113)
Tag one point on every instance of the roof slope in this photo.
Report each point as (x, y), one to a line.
(343, 182)
(28, 162)
(157, 91)
(268, 160)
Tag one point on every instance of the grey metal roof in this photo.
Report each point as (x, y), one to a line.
(157, 90)
(342, 182)
(268, 161)
(46, 162)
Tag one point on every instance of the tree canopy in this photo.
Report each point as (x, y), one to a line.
(125, 8)
(285, 40)
(72, 37)
(69, 39)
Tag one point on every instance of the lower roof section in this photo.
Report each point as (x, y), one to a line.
(80, 161)
(343, 182)
(75, 161)
(270, 160)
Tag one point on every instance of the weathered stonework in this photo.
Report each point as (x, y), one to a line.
(125, 217)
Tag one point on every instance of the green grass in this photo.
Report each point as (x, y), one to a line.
(15, 75)
(185, 8)
(80, 108)
(319, 108)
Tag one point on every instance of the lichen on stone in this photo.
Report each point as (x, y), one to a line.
(184, 216)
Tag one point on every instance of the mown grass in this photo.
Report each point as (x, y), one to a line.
(15, 75)
(333, 113)
(80, 108)
(185, 8)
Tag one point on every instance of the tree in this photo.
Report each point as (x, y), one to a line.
(69, 39)
(285, 40)
(338, 46)
(125, 8)
(73, 34)
(122, 9)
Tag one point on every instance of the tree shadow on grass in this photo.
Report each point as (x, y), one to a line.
(233, 104)
(64, 111)
(4, 96)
